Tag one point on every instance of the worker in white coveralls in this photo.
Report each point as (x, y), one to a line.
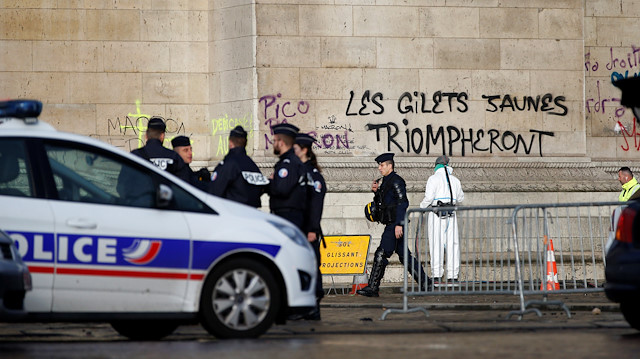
(443, 189)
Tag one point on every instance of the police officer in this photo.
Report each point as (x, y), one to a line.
(316, 190)
(160, 156)
(287, 189)
(237, 177)
(391, 195)
(182, 146)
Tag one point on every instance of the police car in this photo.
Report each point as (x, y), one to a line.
(109, 237)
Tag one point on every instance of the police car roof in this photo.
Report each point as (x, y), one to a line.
(22, 114)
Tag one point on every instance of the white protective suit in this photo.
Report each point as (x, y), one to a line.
(443, 231)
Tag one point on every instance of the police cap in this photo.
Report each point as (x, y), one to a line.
(156, 123)
(304, 139)
(442, 160)
(385, 157)
(285, 129)
(239, 132)
(180, 141)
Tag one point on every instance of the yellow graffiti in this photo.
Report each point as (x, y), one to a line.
(223, 125)
(139, 127)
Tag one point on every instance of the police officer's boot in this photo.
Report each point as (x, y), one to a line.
(377, 272)
(418, 274)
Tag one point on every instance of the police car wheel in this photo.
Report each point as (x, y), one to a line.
(144, 329)
(239, 300)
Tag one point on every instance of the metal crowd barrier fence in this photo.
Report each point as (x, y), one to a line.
(518, 250)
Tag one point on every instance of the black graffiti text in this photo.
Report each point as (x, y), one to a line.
(545, 103)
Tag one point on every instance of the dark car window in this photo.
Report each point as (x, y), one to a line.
(85, 174)
(14, 176)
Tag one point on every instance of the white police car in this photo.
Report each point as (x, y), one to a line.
(109, 237)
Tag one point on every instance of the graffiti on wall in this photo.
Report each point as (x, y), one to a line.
(428, 139)
(128, 132)
(332, 138)
(619, 64)
(221, 126)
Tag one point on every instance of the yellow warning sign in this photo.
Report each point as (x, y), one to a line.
(344, 254)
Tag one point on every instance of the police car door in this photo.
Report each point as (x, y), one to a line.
(116, 251)
(26, 216)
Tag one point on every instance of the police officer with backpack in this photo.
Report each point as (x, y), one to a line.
(392, 203)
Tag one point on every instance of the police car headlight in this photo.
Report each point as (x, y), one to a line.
(292, 233)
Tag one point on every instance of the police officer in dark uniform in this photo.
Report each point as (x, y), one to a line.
(287, 189)
(391, 196)
(237, 177)
(316, 190)
(160, 156)
(182, 146)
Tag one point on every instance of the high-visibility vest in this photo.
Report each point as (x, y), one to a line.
(628, 189)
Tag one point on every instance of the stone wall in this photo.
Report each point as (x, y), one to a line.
(518, 93)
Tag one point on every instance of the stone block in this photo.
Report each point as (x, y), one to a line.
(278, 51)
(63, 24)
(136, 56)
(541, 54)
(564, 143)
(198, 88)
(194, 119)
(569, 84)
(164, 88)
(631, 8)
(278, 20)
(180, 4)
(392, 53)
(467, 54)
(174, 25)
(279, 81)
(393, 82)
(325, 20)
(17, 55)
(67, 56)
(561, 23)
(590, 35)
(437, 22)
(493, 83)
(110, 25)
(446, 81)
(345, 52)
(188, 56)
(617, 31)
(238, 85)
(401, 2)
(80, 119)
(314, 84)
(508, 23)
(603, 8)
(52, 87)
(233, 22)
(22, 24)
(554, 4)
(394, 21)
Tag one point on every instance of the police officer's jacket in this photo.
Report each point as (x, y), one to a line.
(164, 159)
(437, 189)
(287, 190)
(316, 190)
(391, 196)
(238, 178)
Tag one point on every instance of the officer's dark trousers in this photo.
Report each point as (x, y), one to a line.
(316, 250)
(389, 244)
(292, 215)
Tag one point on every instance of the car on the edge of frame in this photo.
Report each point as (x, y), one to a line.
(109, 237)
(15, 279)
(622, 271)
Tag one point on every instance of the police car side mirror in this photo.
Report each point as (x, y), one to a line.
(164, 195)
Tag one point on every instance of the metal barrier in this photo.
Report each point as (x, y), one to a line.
(508, 250)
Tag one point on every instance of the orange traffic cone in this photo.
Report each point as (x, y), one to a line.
(552, 269)
(359, 281)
